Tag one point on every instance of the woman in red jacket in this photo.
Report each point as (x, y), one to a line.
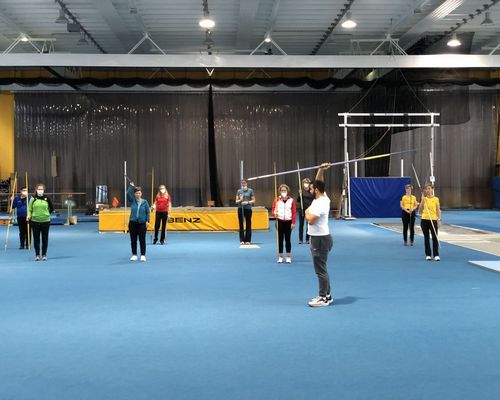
(162, 208)
(284, 210)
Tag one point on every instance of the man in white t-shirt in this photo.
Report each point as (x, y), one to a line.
(321, 240)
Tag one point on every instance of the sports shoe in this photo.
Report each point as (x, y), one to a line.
(405, 244)
(288, 260)
(437, 258)
(242, 243)
(280, 260)
(320, 301)
(143, 258)
(44, 258)
(21, 247)
(428, 258)
(133, 258)
(162, 242)
(155, 241)
(411, 243)
(247, 243)
(300, 242)
(38, 258)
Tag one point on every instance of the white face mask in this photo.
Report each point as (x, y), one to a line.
(306, 186)
(24, 193)
(244, 187)
(163, 191)
(284, 194)
(39, 192)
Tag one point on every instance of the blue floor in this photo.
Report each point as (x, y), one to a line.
(203, 319)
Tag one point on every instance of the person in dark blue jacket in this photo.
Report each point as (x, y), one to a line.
(20, 203)
(139, 218)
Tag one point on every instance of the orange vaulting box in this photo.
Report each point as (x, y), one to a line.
(187, 219)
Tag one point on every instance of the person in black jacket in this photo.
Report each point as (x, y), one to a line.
(302, 206)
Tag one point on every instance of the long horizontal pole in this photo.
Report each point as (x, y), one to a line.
(246, 62)
(388, 125)
(294, 171)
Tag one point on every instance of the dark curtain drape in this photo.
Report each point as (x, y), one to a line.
(93, 134)
(196, 152)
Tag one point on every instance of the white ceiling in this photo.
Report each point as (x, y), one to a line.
(297, 26)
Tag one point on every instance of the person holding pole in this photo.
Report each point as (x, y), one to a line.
(20, 203)
(408, 206)
(39, 209)
(321, 240)
(245, 199)
(162, 208)
(284, 210)
(139, 218)
(431, 215)
(307, 198)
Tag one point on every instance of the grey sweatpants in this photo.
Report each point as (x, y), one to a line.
(320, 247)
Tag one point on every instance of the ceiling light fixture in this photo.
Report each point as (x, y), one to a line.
(487, 20)
(83, 40)
(62, 17)
(349, 23)
(454, 42)
(206, 22)
(24, 38)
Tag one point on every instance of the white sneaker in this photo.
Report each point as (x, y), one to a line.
(320, 301)
(280, 260)
(143, 258)
(437, 258)
(428, 258)
(133, 258)
(288, 260)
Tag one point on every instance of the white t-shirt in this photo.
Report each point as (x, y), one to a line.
(321, 208)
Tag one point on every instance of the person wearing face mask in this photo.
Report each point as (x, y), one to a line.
(245, 198)
(139, 218)
(431, 215)
(39, 209)
(284, 210)
(162, 208)
(20, 203)
(307, 198)
(321, 240)
(408, 206)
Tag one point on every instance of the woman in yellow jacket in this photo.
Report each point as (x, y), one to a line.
(431, 214)
(408, 206)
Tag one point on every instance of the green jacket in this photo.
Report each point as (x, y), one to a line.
(39, 209)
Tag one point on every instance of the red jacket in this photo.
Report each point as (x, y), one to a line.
(163, 203)
(285, 209)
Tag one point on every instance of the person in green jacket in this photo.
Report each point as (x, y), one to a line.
(39, 209)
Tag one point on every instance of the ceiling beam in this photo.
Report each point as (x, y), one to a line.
(245, 62)
(246, 23)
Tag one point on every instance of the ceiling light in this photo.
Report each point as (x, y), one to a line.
(487, 20)
(62, 17)
(24, 38)
(349, 23)
(454, 42)
(207, 22)
(268, 39)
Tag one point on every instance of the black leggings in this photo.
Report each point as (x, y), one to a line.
(428, 230)
(137, 230)
(284, 231)
(40, 228)
(161, 217)
(302, 223)
(408, 221)
(23, 231)
(245, 234)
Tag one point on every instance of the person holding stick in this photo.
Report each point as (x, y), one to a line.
(408, 206)
(431, 215)
(245, 198)
(307, 199)
(321, 240)
(139, 218)
(284, 210)
(39, 209)
(20, 203)
(162, 208)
